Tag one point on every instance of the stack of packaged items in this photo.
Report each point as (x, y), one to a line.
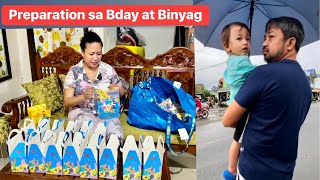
(37, 112)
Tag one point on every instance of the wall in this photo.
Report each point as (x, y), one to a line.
(159, 39)
(317, 82)
(20, 65)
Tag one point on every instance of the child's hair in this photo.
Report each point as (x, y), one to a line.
(225, 33)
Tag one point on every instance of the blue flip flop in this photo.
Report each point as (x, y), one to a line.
(228, 175)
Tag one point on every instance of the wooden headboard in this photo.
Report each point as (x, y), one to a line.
(177, 64)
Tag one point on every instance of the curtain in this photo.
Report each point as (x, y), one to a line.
(48, 39)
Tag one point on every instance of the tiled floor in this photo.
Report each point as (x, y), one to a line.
(183, 166)
(3, 153)
(183, 173)
(3, 162)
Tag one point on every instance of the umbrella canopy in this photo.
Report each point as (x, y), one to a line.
(256, 13)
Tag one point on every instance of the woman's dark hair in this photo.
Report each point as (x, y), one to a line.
(90, 37)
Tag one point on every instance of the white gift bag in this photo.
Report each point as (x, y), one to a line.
(37, 150)
(27, 129)
(73, 127)
(43, 125)
(87, 128)
(89, 158)
(54, 153)
(58, 126)
(73, 153)
(132, 156)
(101, 129)
(108, 160)
(17, 152)
(152, 158)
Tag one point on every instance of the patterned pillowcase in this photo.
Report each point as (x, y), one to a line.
(45, 91)
(5, 128)
(62, 78)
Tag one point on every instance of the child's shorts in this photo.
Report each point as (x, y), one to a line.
(240, 127)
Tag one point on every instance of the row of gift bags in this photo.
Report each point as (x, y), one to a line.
(80, 151)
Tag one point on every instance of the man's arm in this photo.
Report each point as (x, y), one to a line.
(233, 114)
(248, 94)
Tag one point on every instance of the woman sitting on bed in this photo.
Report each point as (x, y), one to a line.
(81, 79)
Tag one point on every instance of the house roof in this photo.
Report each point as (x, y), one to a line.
(226, 89)
(311, 73)
(316, 90)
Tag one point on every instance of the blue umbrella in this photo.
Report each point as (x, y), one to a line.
(256, 13)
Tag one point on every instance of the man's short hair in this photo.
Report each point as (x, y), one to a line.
(290, 27)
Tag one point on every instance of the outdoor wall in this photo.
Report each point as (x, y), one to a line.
(317, 82)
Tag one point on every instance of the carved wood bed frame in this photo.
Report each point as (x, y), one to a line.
(176, 64)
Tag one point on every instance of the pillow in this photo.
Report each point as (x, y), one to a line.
(5, 128)
(45, 91)
(62, 78)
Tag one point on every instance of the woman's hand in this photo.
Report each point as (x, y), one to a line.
(113, 86)
(116, 86)
(70, 100)
(88, 92)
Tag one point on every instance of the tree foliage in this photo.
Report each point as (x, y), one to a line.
(206, 93)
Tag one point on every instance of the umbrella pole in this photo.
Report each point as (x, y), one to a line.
(251, 17)
(251, 14)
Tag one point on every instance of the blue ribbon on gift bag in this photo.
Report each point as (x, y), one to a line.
(144, 110)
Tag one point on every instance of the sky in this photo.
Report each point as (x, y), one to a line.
(210, 63)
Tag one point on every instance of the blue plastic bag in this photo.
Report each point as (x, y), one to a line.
(144, 110)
